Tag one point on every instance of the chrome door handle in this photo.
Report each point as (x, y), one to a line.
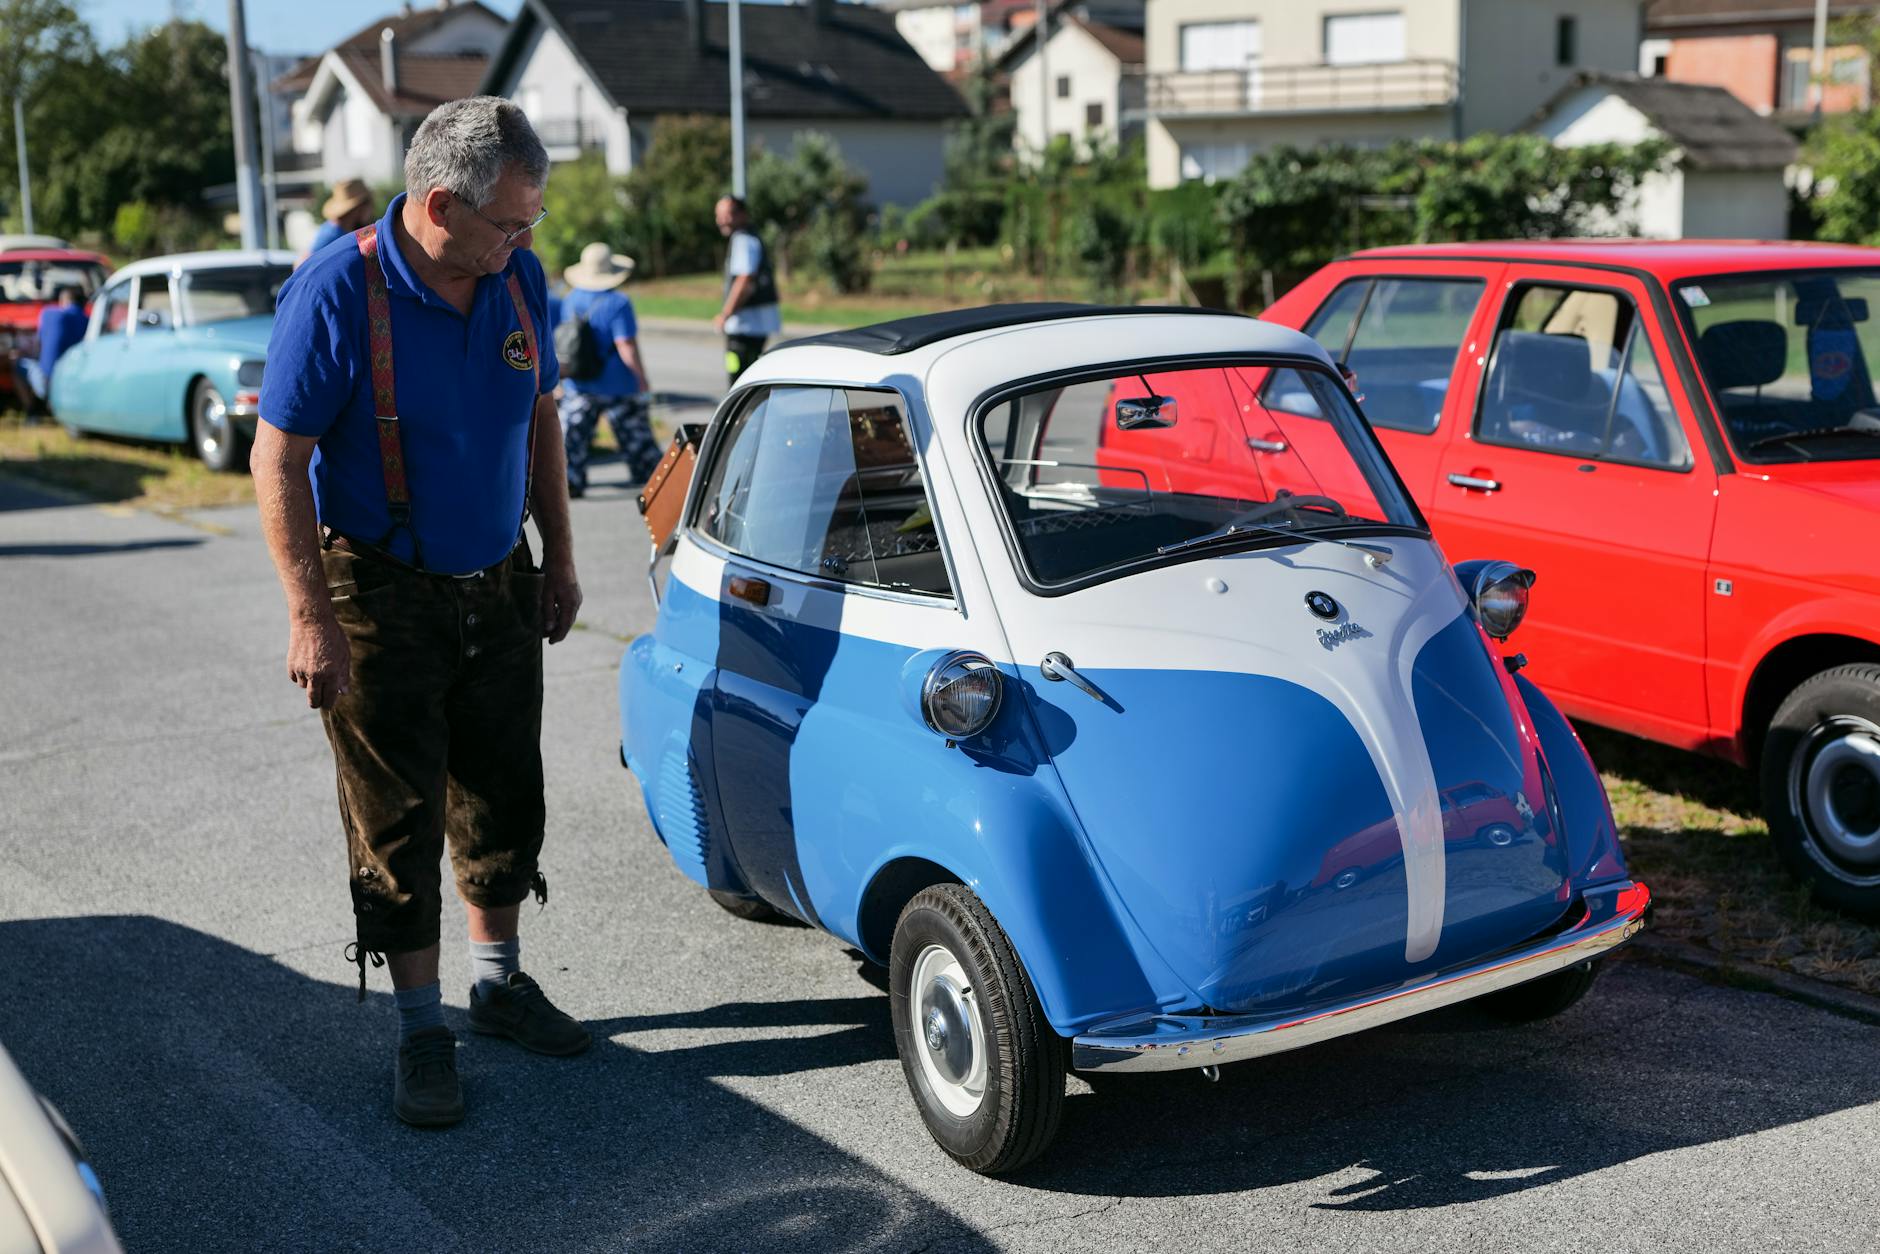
(1266, 446)
(1058, 667)
(1472, 481)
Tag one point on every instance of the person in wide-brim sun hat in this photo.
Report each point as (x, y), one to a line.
(348, 196)
(600, 269)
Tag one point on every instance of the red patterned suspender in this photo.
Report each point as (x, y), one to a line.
(384, 397)
(535, 400)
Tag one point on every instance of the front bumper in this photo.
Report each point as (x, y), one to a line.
(1615, 913)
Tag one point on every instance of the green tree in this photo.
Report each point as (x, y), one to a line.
(585, 203)
(670, 194)
(805, 194)
(38, 40)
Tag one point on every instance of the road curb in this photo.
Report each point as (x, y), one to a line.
(665, 325)
(1695, 958)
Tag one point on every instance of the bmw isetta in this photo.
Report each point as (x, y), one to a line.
(1113, 777)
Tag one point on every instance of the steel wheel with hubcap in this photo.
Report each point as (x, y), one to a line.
(218, 441)
(984, 1066)
(1821, 786)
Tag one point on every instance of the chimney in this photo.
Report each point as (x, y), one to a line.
(695, 22)
(388, 60)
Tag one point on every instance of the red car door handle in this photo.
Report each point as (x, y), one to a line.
(1477, 482)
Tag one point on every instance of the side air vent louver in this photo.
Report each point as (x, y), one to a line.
(681, 810)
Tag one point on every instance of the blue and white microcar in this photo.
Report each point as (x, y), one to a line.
(1112, 777)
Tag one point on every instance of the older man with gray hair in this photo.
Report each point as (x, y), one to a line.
(407, 435)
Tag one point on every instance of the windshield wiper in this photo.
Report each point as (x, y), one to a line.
(1373, 557)
(1813, 433)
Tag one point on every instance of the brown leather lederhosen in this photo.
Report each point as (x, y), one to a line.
(385, 407)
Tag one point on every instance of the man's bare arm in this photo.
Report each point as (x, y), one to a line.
(561, 591)
(318, 657)
(629, 349)
(734, 299)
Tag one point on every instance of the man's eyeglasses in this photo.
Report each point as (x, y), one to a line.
(509, 236)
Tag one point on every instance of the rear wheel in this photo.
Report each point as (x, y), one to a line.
(984, 1066)
(217, 440)
(753, 908)
(1543, 998)
(1821, 786)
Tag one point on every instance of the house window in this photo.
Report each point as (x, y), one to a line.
(1063, 87)
(1210, 162)
(1364, 38)
(1093, 116)
(1566, 40)
(1220, 45)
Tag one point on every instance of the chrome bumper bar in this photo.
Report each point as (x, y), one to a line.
(1615, 913)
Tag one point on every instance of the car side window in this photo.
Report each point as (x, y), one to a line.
(825, 482)
(114, 309)
(154, 307)
(1573, 372)
(1400, 337)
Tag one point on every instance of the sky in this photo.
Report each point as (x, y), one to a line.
(276, 26)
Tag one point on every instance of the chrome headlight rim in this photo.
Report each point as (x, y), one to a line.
(950, 669)
(1487, 580)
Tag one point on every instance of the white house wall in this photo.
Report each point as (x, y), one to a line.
(1508, 59)
(358, 141)
(1735, 204)
(1096, 78)
(933, 32)
(903, 161)
(554, 90)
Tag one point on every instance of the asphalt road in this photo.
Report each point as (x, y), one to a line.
(173, 908)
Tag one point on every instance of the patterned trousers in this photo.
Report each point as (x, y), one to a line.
(628, 418)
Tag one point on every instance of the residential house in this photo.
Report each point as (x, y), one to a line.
(1760, 51)
(1228, 78)
(597, 74)
(356, 105)
(1729, 164)
(1087, 87)
(949, 36)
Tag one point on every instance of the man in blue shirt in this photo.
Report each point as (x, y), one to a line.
(61, 325)
(346, 210)
(617, 390)
(408, 375)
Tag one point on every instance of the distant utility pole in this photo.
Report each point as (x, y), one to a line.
(247, 183)
(268, 190)
(1819, 63)
(736, 31)
(19, 143)
(1043, 26)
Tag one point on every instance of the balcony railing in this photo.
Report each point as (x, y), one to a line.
(570, 133)
(1386, 85)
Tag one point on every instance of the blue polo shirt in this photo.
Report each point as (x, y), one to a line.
(464, 391)
(60, 327)
(610, 317)
(328, 232)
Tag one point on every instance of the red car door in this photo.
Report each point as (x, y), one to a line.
(1583, 463)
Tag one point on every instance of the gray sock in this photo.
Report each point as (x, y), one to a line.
(418, 1008)
(493, 962)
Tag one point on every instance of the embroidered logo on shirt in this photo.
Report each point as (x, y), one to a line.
(516, 352)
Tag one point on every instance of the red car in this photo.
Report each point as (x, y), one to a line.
(30, 279)
(1682, 438)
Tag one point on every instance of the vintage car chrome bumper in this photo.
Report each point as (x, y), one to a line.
(1614, 914)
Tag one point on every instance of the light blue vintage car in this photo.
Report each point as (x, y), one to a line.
(174, 352)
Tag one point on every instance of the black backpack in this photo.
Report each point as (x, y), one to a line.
(574, 349)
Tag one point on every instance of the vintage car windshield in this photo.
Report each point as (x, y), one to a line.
(229, 292)
(33, 282)
(1145, 467)
(1789, 358)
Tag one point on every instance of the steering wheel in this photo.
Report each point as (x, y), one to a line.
(1286, 504)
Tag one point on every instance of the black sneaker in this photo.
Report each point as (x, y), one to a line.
(426, 1093)
(521, 1011)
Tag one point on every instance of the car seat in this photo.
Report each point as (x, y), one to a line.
(1542, 391)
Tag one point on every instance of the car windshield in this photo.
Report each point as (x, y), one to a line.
(1145, 467)
(1789, 358)
(229, 292)
(33, 282)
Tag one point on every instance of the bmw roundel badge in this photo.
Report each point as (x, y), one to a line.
(1322, 604)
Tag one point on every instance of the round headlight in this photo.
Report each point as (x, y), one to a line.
(1501, 597)
(961, 695)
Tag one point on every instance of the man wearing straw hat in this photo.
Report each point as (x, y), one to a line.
(602, 373)
(346, 210)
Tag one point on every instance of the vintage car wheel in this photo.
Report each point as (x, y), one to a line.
(1821, 786)
(1543, 998)
(217, 440)
(985, 1068)
(755, 909)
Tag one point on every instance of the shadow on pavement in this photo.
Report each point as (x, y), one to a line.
(92, 477)
(76, 549)
(230, 1102)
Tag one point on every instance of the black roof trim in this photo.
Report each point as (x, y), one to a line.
(904, 335)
